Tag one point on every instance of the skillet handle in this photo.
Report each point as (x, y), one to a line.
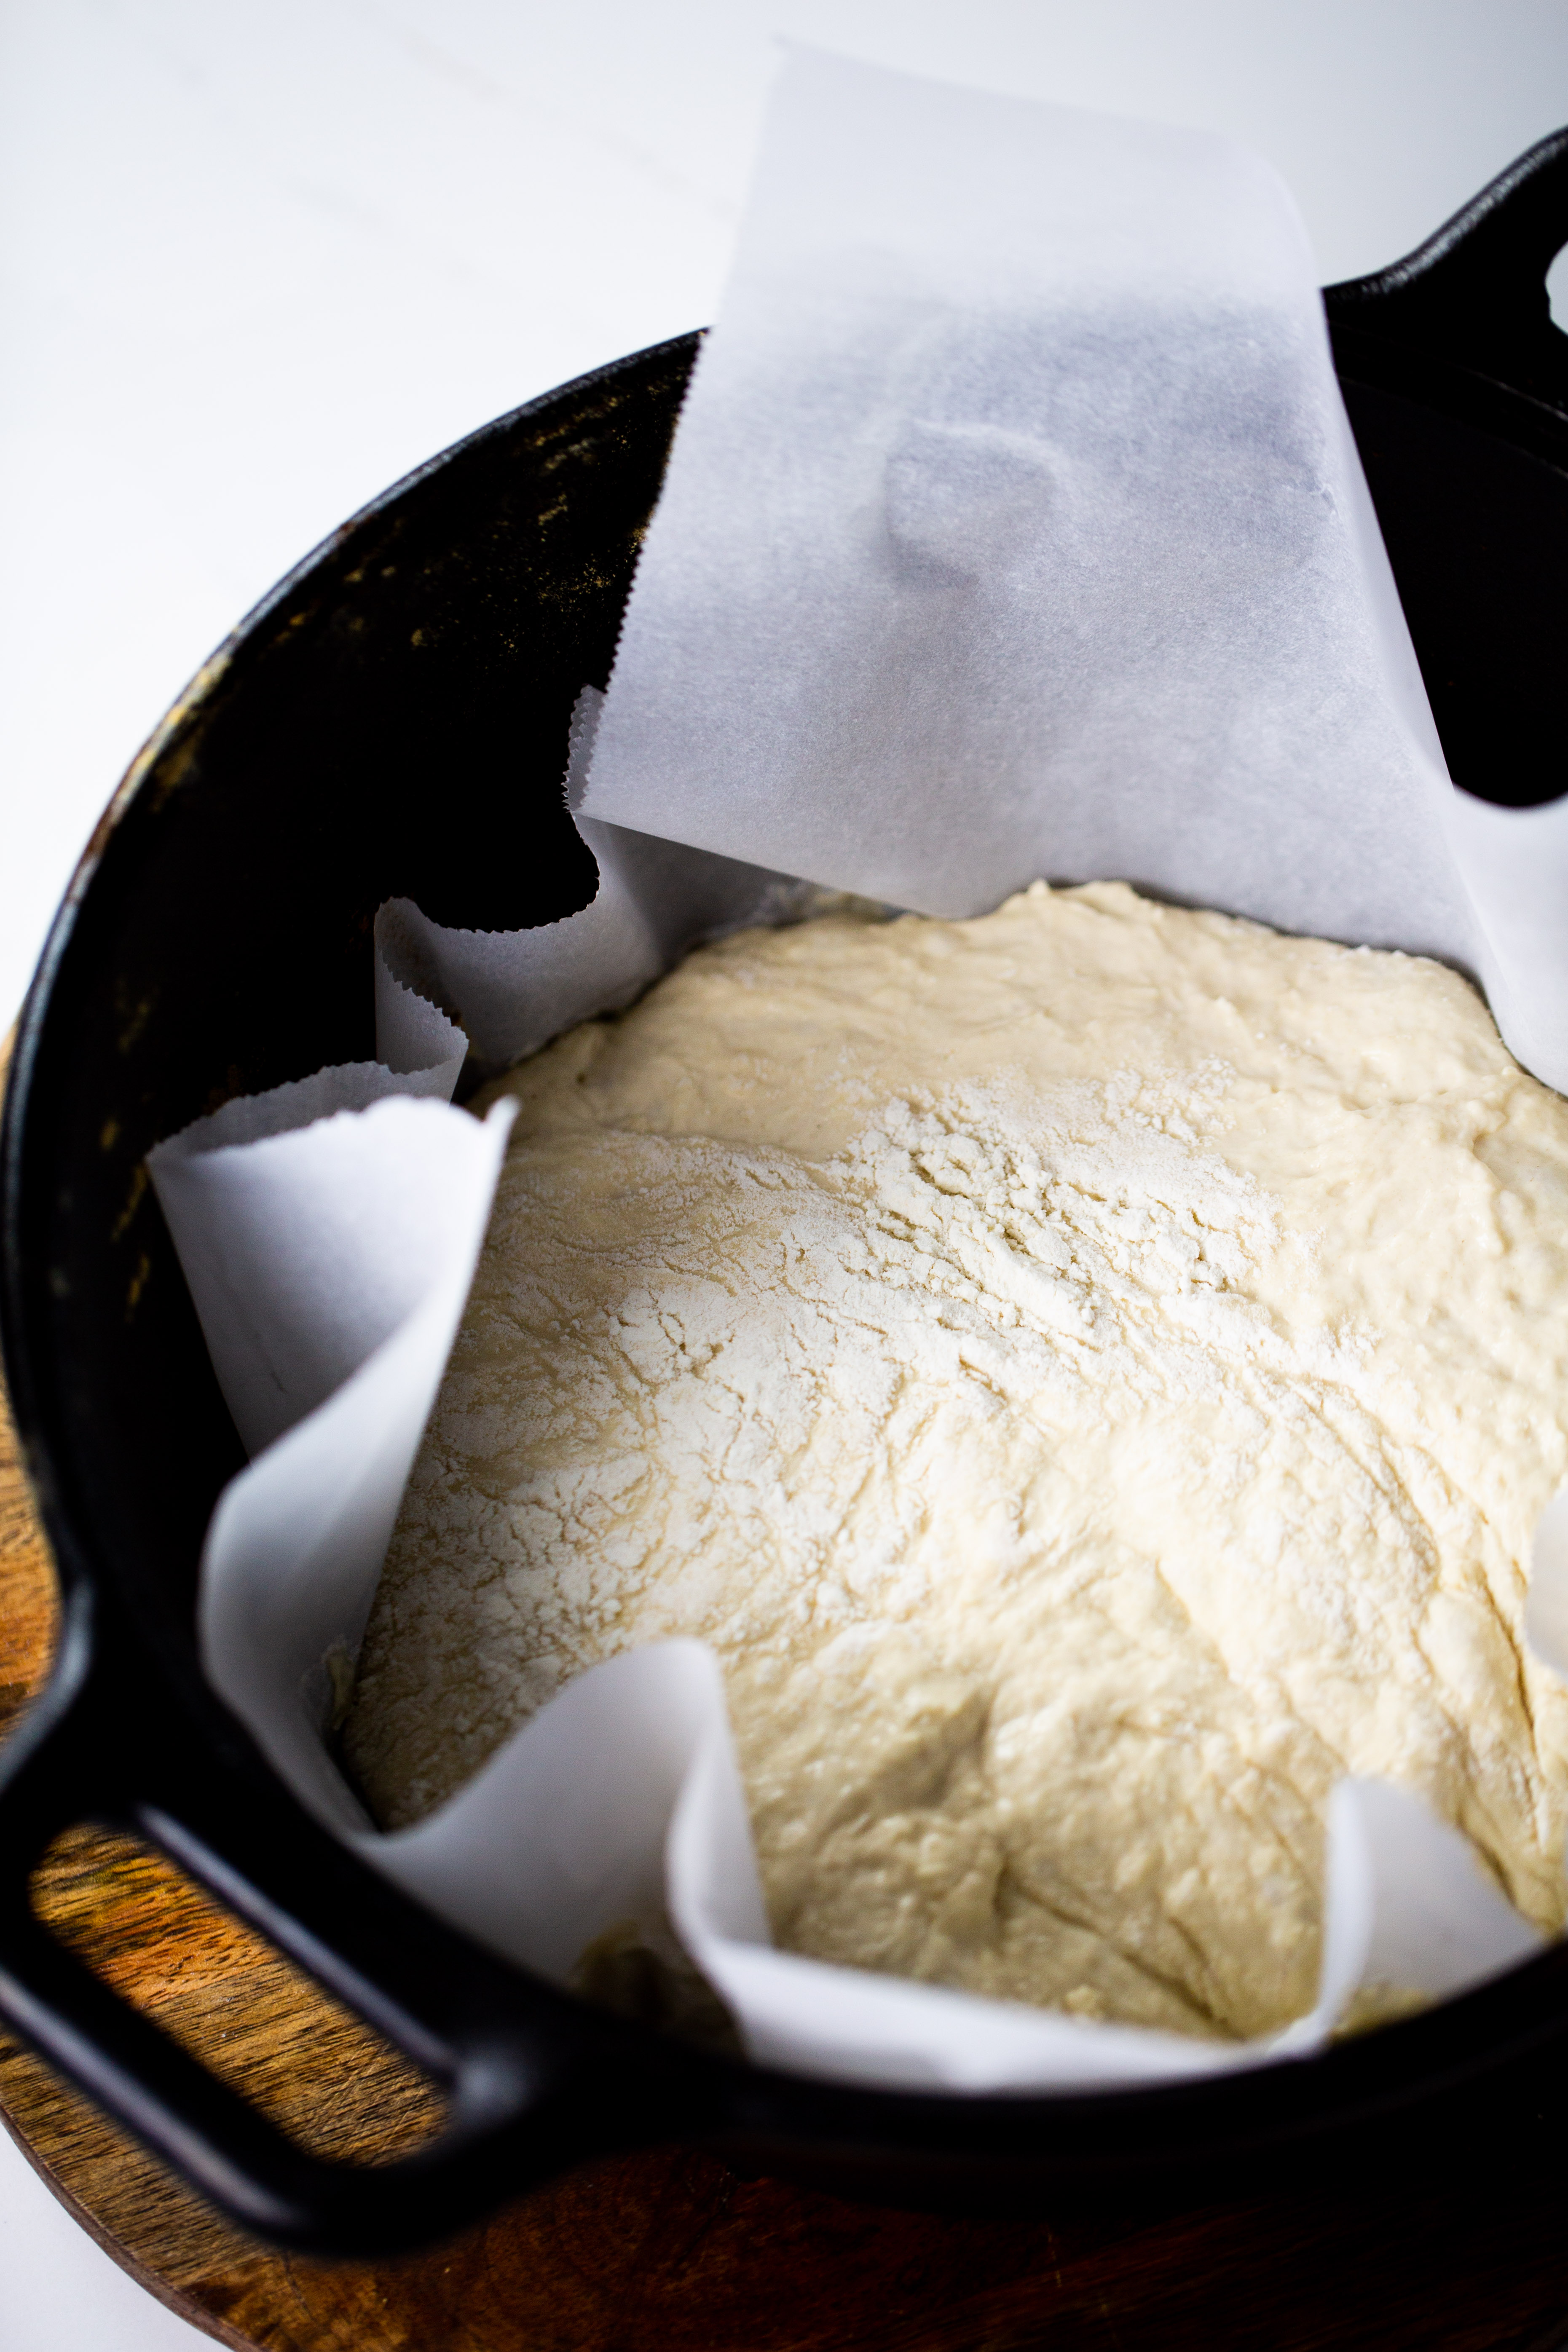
(1475, 292)
(534, 2080)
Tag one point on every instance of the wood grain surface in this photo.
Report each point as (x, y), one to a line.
(669, 2250)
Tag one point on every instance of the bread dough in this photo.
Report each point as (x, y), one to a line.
(1090, 1372)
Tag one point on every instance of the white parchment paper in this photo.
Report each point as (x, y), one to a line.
(518, 989)
(1012, 526)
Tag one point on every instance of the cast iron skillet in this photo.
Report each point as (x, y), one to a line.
(405, 691)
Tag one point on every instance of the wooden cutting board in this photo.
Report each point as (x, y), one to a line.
(669, 2250)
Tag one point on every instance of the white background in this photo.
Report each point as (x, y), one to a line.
(257, 258)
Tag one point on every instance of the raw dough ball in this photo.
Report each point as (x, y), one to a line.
(1091, 1373)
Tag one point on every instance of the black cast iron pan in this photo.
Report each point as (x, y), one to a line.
(405, 692)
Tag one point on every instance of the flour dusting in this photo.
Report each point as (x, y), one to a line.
(1090, 1372)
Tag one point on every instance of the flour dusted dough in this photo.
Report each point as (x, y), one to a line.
(1090, 1372)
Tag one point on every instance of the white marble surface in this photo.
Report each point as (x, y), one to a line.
(57, 2291)
(260, 256)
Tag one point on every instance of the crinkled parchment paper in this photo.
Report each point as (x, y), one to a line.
(1014, 527)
